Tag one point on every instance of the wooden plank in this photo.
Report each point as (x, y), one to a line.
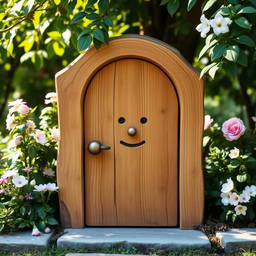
(146, 176)
(99, 169)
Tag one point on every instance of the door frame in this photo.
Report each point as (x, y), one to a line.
(71, 84)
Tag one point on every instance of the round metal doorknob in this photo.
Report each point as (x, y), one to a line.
(131, 131)
(95, 147)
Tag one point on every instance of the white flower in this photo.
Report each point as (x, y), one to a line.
(244, 197)
(251, 190)
(36, 232)
(225, 198)
(15, 141)
(15, 105)
(49, 172)
(220, 24)
(23, 109)
(55, 133)
(39, 136)
(19, 181)
(9, 173)
(47, 230)
(50, 97)
(234, 199)
(228, 186)
(234, 153)
(31, 124)
(10, 124)
(204, 27)
(51, 187)
(240, 209)
(40, 188)
(32, 182)
(254, 119)
(207, 121)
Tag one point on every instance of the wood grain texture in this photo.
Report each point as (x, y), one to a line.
(131, 186)
(100, 169)
(71, 84)
(146, 176)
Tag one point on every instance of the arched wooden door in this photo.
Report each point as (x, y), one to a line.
(135, 182)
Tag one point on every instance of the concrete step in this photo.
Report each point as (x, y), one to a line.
(95, 239)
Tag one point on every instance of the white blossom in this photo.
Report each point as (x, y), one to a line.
(234, 153)
(204, 27)
(51, 187)
(220, 24)
(234, 199)
(19, 181)
(49, 172)
(40, 188)
(10, 173)
(228, 186)
(39, 137)
(225, 198)
(251, 190)
(36, 232)
(240, 209)
(245, 197)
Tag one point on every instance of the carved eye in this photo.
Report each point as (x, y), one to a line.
(143, 120)
(121, 120)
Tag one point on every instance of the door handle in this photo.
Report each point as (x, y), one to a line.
(95, 147)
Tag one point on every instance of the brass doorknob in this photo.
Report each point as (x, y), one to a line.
(131, 131)
(95, 147)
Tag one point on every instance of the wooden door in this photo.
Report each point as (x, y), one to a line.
(135, 183)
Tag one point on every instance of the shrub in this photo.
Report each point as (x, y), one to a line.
(230, 170)
(27, 182)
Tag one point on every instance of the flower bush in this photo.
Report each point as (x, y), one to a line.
(230, 170)
(27, 181)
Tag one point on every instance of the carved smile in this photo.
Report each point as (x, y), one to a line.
(132, 145)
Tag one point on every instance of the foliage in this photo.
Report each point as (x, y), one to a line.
(27, 183)
(234, 160)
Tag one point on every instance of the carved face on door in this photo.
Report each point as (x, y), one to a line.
(132, 108)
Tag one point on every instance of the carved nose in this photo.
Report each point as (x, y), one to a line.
(131, 131)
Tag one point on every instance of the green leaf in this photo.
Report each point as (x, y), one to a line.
(92, 16)
(218, 51)
(163, 2)
(96, 43)
(213, 70)
(58, 49)
(22, 210)
(231, 69)
(243, 59)
(246, 40)
(207, 47)
(191, 4)
(72, 5)
(247, 9)
(103, 6)
(241, 178)
(99, 35)
(52, 221)
(108, 21)
(90, 3)
(78, 17)
(28, 7)
(41, 212)
(84, 42)
(232, 53)
(26, 56)
(243, 23)
(173, 6)
(207, 68)
(208, 5)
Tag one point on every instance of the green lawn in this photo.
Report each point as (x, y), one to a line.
(58, 252)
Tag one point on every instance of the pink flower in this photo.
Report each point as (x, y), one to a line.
(28, 196)
(36, 232)
(55, 133)
(50, 97)
(2, 191)
(3, 180)
(31, 124)
(23, 109)
(27, 169)
(15, 105)
(47, 230)
(10, 123)
(233, 128)
(16, 141)
(207, 121)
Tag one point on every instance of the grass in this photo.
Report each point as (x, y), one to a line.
(59, 252)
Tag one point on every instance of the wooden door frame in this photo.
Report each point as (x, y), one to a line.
(71, 84)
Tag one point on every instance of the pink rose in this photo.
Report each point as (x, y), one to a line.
(207, 121)
(233, 128)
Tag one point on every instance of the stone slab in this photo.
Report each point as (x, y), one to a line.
(95, 239)
(235, 239)
(24, 241)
